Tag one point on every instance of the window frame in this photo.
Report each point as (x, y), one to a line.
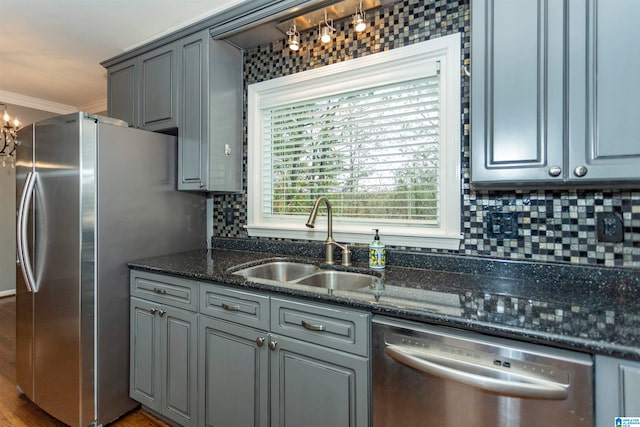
(394, 65)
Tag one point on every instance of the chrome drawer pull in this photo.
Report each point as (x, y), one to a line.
(230, 307)
(160, 291)
(311, 327)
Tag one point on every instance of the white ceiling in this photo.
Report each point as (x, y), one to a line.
(50, 50)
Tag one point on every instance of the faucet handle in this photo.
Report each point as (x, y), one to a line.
(346, 256)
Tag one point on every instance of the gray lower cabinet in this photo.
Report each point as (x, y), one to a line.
(617, 387)
(210, 99)
(234, 357)
(163, 346)
(538, 112)
(267, 361)
(313, 386)
(234, 375)
(143, 91)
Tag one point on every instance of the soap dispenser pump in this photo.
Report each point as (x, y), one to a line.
(377, 253)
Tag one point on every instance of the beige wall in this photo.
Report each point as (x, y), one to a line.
(7, 230)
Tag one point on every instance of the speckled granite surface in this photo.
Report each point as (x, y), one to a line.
(589, 309)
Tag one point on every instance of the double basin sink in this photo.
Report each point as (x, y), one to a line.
(298, 273)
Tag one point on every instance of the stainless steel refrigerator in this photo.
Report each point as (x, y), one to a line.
(92, 194)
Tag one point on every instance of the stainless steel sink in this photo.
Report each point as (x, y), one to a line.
(337, 280)
(278, 271)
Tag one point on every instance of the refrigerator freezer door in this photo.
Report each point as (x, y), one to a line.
(24, 298)
(57, 269)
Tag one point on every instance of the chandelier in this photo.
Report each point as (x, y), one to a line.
(8, 138)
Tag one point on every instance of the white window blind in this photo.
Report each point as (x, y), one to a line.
(374, 152)
(378, 135)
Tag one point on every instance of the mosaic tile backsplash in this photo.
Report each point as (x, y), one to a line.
(556, 226)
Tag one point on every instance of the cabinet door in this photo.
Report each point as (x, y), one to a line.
(604, 109)
(313, 386)
(122, 98)
(226, 106)
(617, 389)
(180, 363)
(145, 365)
(158, 90)
(517, 96)
(193, 137)
(233, 375)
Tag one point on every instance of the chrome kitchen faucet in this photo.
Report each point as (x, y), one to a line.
(330, 242)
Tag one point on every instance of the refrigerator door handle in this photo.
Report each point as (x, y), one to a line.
(21, 238)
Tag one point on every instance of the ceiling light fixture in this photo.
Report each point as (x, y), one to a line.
(358, 19)
(294, 38)
(326, 29)
(8, 138)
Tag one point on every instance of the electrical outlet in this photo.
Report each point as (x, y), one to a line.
(228, 215)
(502, 225)
(609, 227)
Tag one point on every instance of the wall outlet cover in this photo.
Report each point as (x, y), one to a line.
(609, 227)
(228, 216)
(502, 225)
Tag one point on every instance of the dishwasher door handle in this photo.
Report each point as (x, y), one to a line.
(536, 388)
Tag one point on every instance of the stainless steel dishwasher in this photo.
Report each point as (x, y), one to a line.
(426, 375)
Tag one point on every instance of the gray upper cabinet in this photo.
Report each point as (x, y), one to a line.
(517, 98)
(539, 115)
(158, 89)
(603, 139)
(122, 99)
(143, 91)
(210, 120)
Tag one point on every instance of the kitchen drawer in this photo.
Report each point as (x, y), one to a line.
(247, 308)
(173, 291)
(345, 330)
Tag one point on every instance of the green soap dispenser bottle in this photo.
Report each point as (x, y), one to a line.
(377, 253)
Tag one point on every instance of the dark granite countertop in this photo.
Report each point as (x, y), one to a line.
(589, 309)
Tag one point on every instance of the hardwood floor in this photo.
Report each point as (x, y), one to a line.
(18, 411)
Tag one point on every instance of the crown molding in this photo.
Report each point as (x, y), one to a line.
(36, 103)
(96, 107)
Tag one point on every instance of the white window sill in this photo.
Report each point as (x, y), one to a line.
(360, 234)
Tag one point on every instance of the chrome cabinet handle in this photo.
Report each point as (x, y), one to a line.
(531, 386)
(201, 184)
(555, 171)
(260, 341)
(153, 311)
(160, 291)
(161, 313)
(580, 171)
(272, 344)
(230, 307)
(312, 327)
